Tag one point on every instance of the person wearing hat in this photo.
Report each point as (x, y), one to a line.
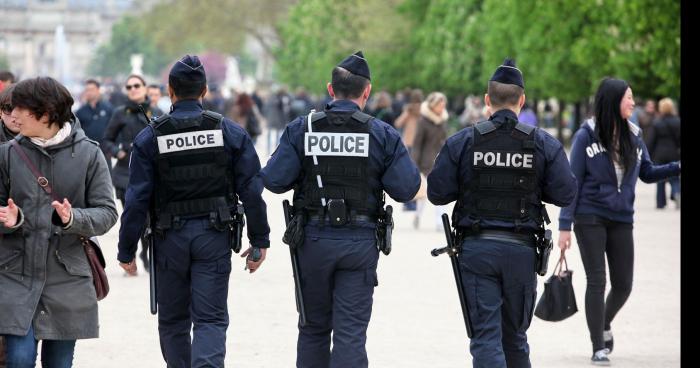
(500, 171)
(201, 165)
(340, 162)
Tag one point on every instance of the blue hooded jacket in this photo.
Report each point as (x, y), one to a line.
(598, 191)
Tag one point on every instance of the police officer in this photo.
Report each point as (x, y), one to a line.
(200, 163)
(499, 172)
(339, 162)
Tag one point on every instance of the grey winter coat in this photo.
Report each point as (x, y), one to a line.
(45, 278)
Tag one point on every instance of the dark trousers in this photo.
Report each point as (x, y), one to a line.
(598, 237)
(22, 351)
(500, 287)
(193, 268)
(338, 273)
(661, 190)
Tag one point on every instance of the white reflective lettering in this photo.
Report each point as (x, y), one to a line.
(478, 156)
(517, 160)
(489, 158)
(336, 144)
(527, 160)
(190, 140)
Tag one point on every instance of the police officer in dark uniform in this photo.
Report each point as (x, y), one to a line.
(339, 162)
(188, 169)
(499, 172)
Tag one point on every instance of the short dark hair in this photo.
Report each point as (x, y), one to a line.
(502, 94)
(44, 95)
(346, 84)
(6, 76)
(143, 81)
(93, 81)
(155, 86)
(186, 89)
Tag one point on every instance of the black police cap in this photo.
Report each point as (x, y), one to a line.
(508, 73)
(189, 69)
(356, 64)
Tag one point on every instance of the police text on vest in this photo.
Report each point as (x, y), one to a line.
(503, 159)
(336, 144)
(190, 140)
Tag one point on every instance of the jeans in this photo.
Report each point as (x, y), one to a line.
(22, 352)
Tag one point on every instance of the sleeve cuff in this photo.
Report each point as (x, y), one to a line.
(564, 225)
(19, 223)
(56, 220)
(260, 243)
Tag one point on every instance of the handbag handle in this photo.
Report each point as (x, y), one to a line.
(562, 262)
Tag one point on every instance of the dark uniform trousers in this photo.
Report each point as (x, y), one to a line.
(500, 285)
(193, 269)
(339, 272)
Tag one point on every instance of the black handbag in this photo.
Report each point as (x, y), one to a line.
(557, 302)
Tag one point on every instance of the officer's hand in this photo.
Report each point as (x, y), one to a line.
(130, 267)
(121, 155)
(564, 240)
(64, 210)
(250, 265)
(8, 215)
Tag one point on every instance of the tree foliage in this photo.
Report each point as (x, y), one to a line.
(563, 47)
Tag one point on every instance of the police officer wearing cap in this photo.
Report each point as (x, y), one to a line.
(339, 162)
(188, 169)
(499, 172)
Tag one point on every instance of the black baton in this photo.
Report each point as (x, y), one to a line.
(295, 269)
(152, 273)
(454, 259)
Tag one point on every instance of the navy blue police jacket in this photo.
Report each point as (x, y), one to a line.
(599, 192)
(245, 164)
(557, 182)
(400, 178)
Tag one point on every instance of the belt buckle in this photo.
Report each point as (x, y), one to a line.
(43, 182)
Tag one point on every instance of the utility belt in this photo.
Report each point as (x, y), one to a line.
(540, 242)
(352, 219)
(223, 219)
(336, 215)
(526, 239)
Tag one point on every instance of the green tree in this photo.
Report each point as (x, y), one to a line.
(128, 38)
(4, 63)
(319, 33)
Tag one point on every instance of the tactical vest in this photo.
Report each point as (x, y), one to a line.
(504, 184)
(336, 164)
(193, 175)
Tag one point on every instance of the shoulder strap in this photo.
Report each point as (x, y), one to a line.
(40, 179)
(318, 116)
(485, 127)
(361, 116)
(527, 129)
(213, 116)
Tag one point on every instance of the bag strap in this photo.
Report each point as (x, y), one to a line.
(40, 178)
(561, 263)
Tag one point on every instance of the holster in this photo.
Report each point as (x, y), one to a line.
(544, 248)
(236, 228)
(294, 234)
(384, 230)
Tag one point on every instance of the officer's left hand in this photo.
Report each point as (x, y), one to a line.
(253, 266)
(64, 210)
(130, 267)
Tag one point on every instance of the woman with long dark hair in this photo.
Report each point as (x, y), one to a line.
(607, 156)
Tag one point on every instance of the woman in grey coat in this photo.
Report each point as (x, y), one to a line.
(46, 289)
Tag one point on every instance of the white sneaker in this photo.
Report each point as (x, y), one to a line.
(600, 358)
